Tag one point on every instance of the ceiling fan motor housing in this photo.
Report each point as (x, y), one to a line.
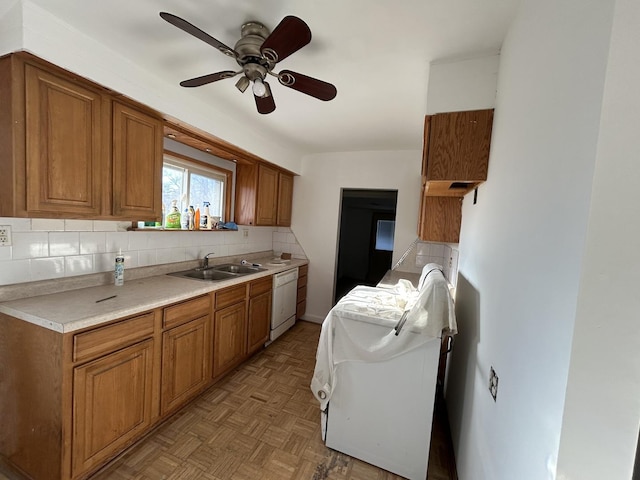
(248, 49)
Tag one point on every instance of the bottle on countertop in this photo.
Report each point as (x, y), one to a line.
(119, 270)
(184, 223)
(173, 217)
(206, 217)
(192, 214)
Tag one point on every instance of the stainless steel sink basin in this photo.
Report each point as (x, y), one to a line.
(208, 274)
(217, 273)
(237, 269)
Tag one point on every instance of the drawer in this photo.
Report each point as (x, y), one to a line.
(185, 311)
(302, 281)
(103, 340)
(302, 293)
(301, 307)
(261, 285)
(230, 295)
(303, 270)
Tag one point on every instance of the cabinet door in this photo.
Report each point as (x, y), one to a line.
(65, 154)
(440, 219)
(112, 404)
(267, 196)
(259, 321)
(285, 199)
(230, 338)
(137, 164)
(458, 146)
(186, 362)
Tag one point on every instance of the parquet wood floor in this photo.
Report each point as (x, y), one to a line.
(261, 422)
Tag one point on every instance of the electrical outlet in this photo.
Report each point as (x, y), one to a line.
(493, 384)
(245, 233)
(5, 235)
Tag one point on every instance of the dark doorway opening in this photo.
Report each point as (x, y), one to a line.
(365, 243)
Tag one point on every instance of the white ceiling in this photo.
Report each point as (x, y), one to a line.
(375, 52)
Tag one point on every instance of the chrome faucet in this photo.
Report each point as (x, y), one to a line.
(205, 260)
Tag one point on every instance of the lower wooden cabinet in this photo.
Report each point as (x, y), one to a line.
(301, 297)
(229, 345)
(186, 351)
(186, 360)
(71, 402)
(112, 404)
(259, 313)
(229, 328)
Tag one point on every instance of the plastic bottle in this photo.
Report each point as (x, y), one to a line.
(192, 214)
(206, 217)
(119, 270)
(173, 218)
(196, 219)
(184, 223)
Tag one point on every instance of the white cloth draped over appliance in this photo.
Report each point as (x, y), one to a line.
(430, 311)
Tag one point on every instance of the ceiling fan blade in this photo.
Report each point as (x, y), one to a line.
(265, 104)
(196, 32)
(210, 78)
(309, 85)
(289, 36)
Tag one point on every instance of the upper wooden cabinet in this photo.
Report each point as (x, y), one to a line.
(62, 137)
(263, 195)
(285, 199)
(267, 197)
(66, 158)
(440, 219)
(456, 151)
(137, 163)
(455, 160)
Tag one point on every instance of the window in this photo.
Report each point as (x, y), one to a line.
(384, 235)
(193, 183)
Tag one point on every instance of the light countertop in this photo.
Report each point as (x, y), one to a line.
(392, 276)
(77, 309)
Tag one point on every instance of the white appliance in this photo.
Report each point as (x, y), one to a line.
(376, 372)
(381, 412)
(283, 307)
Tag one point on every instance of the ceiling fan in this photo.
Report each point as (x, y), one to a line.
(257, 52)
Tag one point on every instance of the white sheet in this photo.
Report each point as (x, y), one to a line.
(430, 312)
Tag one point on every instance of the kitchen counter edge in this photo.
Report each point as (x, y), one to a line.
(93, 306)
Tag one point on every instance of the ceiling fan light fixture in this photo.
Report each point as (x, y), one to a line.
(242, 84)
(259, 88)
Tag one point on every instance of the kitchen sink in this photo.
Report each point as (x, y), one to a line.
(217, 273)
(237, 269)
(205, 274)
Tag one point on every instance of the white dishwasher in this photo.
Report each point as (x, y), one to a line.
(283, 307)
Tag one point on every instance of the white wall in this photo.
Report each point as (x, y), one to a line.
(458, 85)
(316, 209)
(602, 407)
(522, 245)
(10, 25)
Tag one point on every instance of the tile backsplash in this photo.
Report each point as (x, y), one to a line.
(443, 254)
(44, 249)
